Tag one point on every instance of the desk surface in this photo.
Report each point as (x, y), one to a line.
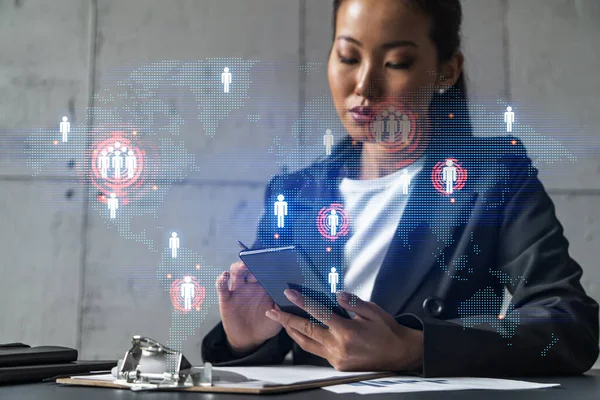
(579, 387)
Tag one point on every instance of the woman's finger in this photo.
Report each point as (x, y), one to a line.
(363, 309)
(238, 272)
(223, 287)
(306, 327)
(316, 308)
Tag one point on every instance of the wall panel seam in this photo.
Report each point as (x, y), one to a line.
(93, 35)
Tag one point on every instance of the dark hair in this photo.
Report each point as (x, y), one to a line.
(446, 17)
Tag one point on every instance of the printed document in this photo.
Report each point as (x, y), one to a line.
(404, 384)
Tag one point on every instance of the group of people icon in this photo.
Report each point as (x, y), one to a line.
(113, 158)
(392, 125)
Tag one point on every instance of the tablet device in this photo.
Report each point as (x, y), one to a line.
(277, 269)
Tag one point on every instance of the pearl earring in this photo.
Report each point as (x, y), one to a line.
(442, 78)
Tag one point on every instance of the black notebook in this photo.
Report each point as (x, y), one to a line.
(18, 354)
(22, 363)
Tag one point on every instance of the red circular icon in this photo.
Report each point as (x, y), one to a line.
(121, 164)
(187, 294)
(333, 222)
(398, 129)
(448, 176)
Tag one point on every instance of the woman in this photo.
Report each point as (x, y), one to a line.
(426, 271)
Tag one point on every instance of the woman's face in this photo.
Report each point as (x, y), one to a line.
(382, 54)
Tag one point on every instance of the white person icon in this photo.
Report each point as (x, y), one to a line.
(130, 164)
(391, 125)
(405, 127)
(281, 210)
(174, 244)
(104, 163)
(509, 118)
(333, 222)
(117, 164)
(328, 141)
(113, 204)
(188, 292)
(226, 79)
(65, 129)
(333, 279)
(449, 176)
(405, 180)
(379, 128)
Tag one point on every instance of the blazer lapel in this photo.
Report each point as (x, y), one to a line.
(427, 227)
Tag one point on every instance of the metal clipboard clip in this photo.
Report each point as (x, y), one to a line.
(151, 364)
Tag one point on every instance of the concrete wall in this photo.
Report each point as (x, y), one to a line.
(69, 278)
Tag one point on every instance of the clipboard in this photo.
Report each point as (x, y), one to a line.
(151, 366)
(242, 387)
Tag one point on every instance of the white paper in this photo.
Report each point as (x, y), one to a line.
(289, 374)
(242, 385)
(405, 384)
(103, 377)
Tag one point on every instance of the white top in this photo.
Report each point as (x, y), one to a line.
(374, 207)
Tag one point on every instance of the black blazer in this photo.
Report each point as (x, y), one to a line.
(448, 264)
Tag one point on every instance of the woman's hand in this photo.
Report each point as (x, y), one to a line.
(372, 341)
(243, 305)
